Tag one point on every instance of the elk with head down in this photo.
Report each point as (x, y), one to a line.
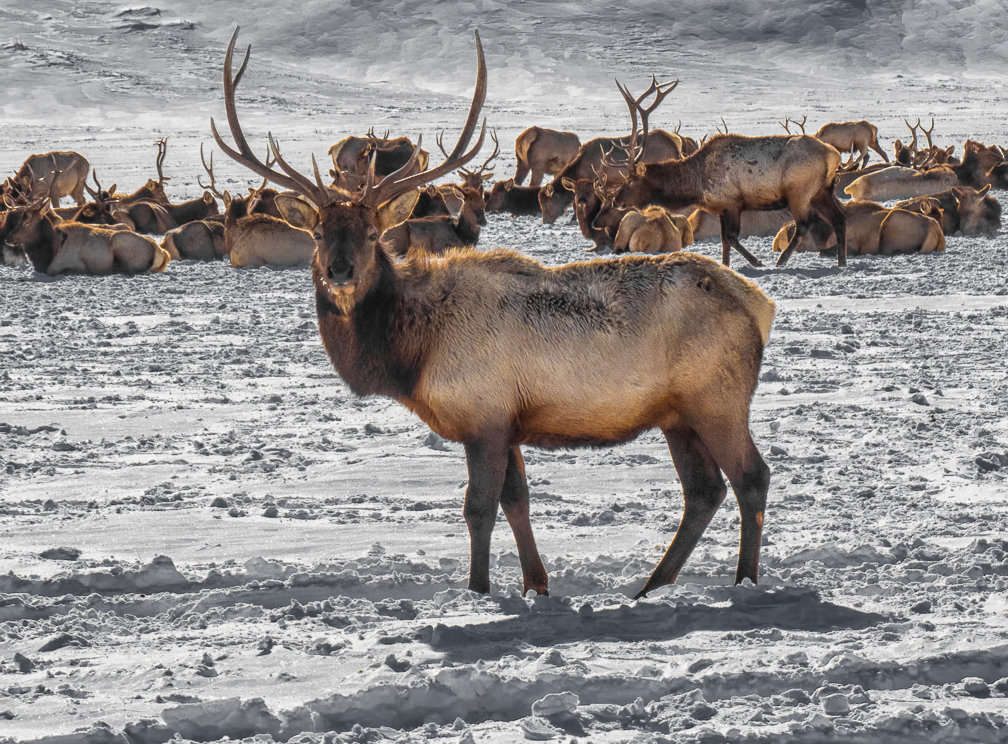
(589, 196)
(683, 336)
(541, 151)
(850, 136)
(69, 174)
(607, 155)
(731, 173)
(75, 248)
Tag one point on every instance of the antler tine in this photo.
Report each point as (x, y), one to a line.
(439, 137)
(785, 123)
(678, 126)
(212, 187)
(244, 153)
(94, 195)
(927, 132)
(394, 184)
(306, 186)
(631, 148)
(162, 146)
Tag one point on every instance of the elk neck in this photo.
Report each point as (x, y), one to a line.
(42, 245)
(677, 183)
(467, 228)
(374, 337)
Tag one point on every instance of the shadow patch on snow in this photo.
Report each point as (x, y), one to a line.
(787, 609)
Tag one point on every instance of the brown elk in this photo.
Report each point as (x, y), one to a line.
(686, 337)
(152, 190)
(74, 248)
(261, 200)
(897, 182)
(904, 232)
(707, 225)
(351, 157)
(963, 209)
(589, 196)
(542, 151)
(731, 173)
(69, 174)
(471, 180)
(438, 233)
(255, 239)
(200, 240)
(505, 196)
(849, 136)
(652, 230)
(607, 155)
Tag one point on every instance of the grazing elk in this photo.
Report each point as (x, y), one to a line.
(69, 174)
(74, 248)
(352, 155)
(683, 336)
(850, 136)
(607, 155)
(963, 209)
(200, 240)
(731, 173)
(542, 151)
(436, 234)
(505, 196)
(652, 230)
(896, 182)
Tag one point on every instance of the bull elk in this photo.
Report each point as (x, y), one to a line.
(75, 248)
(686, 337)
(351, 157)
(731, 173)
(589, 196)
(851, 136)
(69, 174)
(541, 151)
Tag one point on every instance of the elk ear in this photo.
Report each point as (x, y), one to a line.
(509, 184)
(639, 169)
(486, 176)
(396, 210)
(569, 184)
(208, 198)
(548, 190)
(151, 183)
(227, 198)
(297, 212)
(983, 191)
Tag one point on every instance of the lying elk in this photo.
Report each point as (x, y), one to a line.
(652, 230)
(200, 240)
(897, 182)
(963, 209)
(352, 155)
(683, 336)
(74, 248)
(850, 136)
(731, 173)
(608, 155)
(471, 180)
(542, 151)
(255, 239)
(707, 225)
(70, 172)
(505, 196)
(261, 200)
(437, 233)
(872, 228)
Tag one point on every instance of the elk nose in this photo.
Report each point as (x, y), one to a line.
(480, 217)
(340, 275)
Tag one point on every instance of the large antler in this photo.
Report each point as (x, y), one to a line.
(787, 120)
(481, 174)
(927, 133)
(293, 180)
(634, 151)
(913, 131)
(394, 184)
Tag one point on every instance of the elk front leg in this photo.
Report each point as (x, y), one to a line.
(515, 502)
(731, 226)
(703, 491)
(487, 465)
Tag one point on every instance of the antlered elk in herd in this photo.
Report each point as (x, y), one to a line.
(731, 173)
(75, 248)
(851, 136)
(683, 336)
(542, 151)
(589, 196)
(607, 156)
(472, 181)
(352, 155)
(52, 176)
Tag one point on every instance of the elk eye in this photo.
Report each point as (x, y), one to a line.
(372, 236)
(318, 235)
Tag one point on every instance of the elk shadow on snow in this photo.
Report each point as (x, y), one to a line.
(786, 609)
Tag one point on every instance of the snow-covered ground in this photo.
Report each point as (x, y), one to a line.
(262, 554)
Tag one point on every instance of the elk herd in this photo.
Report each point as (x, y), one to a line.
(494, 350)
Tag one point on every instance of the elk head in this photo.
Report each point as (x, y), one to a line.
(346, 226)
(473, 179)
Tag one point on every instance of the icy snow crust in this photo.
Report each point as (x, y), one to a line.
(263, 555)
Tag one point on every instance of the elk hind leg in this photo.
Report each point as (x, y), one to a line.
(703, 491)
(515, 502)
(802, 227)
(522, 171)
(487, 464)
(828, 207)
(731, 226)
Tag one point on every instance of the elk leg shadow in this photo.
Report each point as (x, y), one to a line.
(731, 226)
(487, 465)
(703, 491)
(515, 502)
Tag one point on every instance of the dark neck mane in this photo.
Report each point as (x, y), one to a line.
(42, 250)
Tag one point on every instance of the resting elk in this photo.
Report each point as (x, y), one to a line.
(606, 155)
(707, 225)
(652, 230)
(897, 182)
(352, 155)
(437, 233)
(505, 196)
(542, 151)
(850, 136)
(70, 171)
(75, 248)
(200, 240)
(589, 196)
(731, 173)
(963, 209)
(683, 336)
(471, 180)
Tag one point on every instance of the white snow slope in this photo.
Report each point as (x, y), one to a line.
(263, 556)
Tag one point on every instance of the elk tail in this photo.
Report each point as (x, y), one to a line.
(161, 259)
